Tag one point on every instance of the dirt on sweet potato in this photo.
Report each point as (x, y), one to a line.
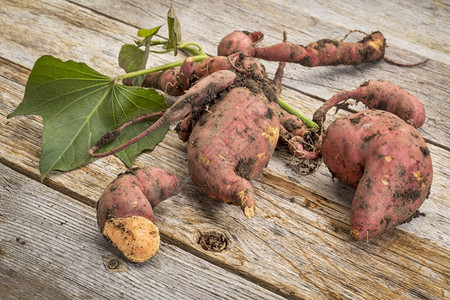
(388, 163)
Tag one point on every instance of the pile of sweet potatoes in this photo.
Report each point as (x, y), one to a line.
(229, 114)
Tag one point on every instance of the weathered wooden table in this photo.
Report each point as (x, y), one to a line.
(298, 245)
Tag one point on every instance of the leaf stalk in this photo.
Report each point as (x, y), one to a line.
(178, 63)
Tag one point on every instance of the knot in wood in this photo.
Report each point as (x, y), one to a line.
(213, 241)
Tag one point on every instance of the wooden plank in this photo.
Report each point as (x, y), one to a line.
(310, 21)
(293, 215)
(300, 232)
(50, 248)
(305, 18)
(397, 20)
(91, 179)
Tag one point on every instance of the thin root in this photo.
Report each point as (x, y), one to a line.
(231, 59)
(405, 65)
(353, 31)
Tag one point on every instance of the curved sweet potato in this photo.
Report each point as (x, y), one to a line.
(388, 163)
(125, 214)
(383, 95)
(231, 144)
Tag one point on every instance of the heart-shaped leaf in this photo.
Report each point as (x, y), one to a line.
(79, 105)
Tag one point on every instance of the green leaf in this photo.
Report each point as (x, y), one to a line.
(131, 59)
(79, 105)
(174, 30)
(148, 33)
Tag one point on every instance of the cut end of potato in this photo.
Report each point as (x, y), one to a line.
(136, 237)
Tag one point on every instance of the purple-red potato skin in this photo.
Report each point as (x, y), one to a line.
(238, 41)
(383, 95)
(165, 81)
(184, 128)
(388, 163)
(231, 144)
(209, 66)
(326, 52)
(175, 81)
(196, 98)
(291, 123)
(125, 214)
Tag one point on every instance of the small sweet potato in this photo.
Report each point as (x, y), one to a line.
(125, 214)
(238, 41)
(388, 163)
(175, 81)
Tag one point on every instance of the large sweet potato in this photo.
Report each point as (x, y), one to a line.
(231, 144)
(388, 163)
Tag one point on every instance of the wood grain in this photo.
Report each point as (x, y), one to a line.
(298, 245)
(51, 248)
(310, 21)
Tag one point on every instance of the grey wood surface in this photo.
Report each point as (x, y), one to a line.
(51, 250)
(298, 244)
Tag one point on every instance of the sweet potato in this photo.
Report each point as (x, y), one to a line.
(388, 163)
(382, 95)
(209, 66)
(300, 139)
(238, 41)
(175, 81)
(291, 130)
(125, 214)
(232, 124)
(326, 52)
(232, 141)
(231, 144)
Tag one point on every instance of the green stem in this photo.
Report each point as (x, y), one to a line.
(201, 57)
(198, 50)
(145, 57)
(158, 42)
(295, 112)
(192, 51)
(159, 68)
